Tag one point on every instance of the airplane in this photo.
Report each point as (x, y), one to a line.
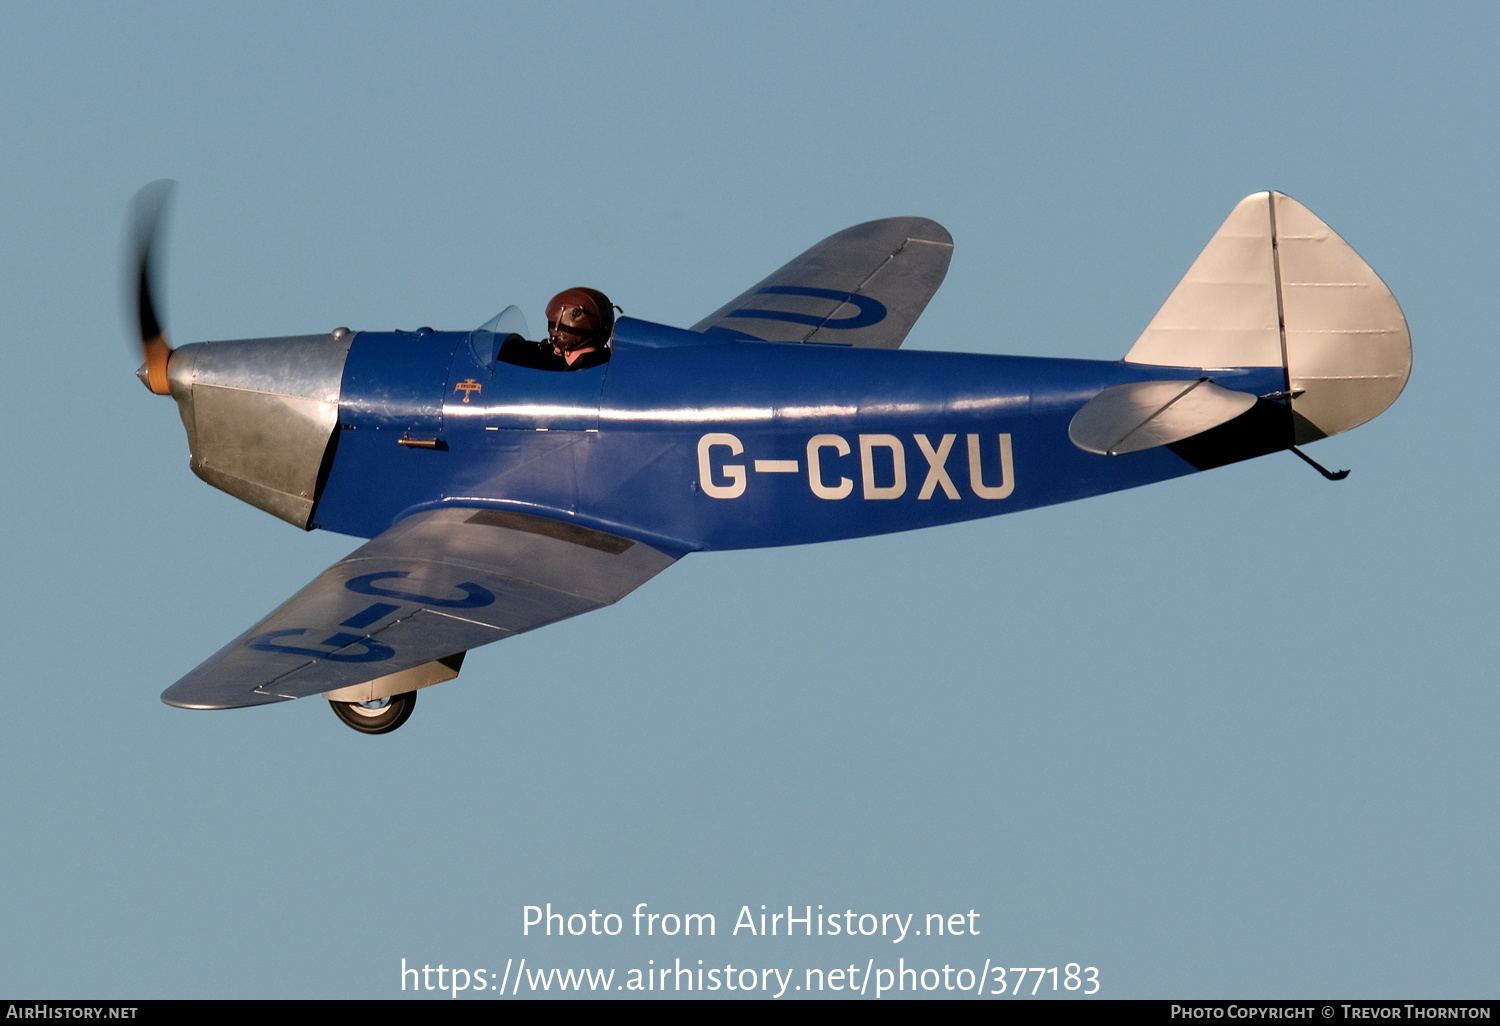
(499, 494)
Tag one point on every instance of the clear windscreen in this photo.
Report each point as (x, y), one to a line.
(487, 339)
(510, 321)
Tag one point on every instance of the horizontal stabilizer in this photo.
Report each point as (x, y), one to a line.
(1146, 414)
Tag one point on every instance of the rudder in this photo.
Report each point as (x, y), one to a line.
(1276, 287)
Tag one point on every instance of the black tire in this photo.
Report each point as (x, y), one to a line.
(378, 717)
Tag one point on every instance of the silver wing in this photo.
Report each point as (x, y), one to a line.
(865, 286)
(430, 588)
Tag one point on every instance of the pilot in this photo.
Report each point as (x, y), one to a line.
(579, 324)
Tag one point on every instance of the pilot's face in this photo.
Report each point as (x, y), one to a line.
(569, 330)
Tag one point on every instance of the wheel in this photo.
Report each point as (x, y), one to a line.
(378, 717)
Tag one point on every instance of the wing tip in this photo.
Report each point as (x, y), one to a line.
(915, 229)
(185, 698)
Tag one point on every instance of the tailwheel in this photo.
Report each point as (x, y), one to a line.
(378, 717)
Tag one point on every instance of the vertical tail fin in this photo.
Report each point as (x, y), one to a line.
(1276, 287)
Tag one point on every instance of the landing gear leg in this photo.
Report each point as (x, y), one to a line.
(378, 717)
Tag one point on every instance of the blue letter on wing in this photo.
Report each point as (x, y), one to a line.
(871, 311)
(474, 595)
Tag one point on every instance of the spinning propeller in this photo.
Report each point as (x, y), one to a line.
(147, 210)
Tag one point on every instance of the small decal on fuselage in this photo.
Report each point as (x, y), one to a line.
(468, 386)
(882, 466)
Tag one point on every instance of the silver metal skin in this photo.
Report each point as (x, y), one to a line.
(259, 415)
(424, 676)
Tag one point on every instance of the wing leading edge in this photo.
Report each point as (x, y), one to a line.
(433, 586)
(865, 286)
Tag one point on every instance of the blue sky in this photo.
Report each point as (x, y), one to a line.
(1229, 736)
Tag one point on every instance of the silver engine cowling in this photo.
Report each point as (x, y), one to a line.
(261, 414)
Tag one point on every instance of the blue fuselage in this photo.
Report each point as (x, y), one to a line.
(692, 443)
